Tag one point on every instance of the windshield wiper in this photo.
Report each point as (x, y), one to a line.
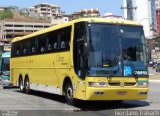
(113, 63)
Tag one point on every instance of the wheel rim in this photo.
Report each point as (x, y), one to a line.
(27, 86)
(21, 85)
(69, 93)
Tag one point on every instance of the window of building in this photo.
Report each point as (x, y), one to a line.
(18, 25)
(8, 25)
(38, 26)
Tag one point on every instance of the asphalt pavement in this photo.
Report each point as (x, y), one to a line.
(44, 104)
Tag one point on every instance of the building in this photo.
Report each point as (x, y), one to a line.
(59, 20)
(157, 4)
(4, 8)
(110, 15)
(10, 28)
(158, 14)
(158, 19)
(86, 13)
(46, 11)
(144, 12)
(76, 15)
(12, 8)
(90, 12)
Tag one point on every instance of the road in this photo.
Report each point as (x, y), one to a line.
(41, 104)
(153, 71)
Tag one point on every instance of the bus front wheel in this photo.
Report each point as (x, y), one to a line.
(69, 94)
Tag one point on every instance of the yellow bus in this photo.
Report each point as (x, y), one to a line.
(86, 59)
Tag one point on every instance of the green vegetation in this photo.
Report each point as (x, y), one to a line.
(6, 14)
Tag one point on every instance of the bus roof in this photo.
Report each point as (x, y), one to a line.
(100, 20)
(6, 54)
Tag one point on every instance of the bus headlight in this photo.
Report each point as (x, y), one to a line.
(142, 83)
(97, 84)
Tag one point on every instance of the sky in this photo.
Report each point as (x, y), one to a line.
(70, 6)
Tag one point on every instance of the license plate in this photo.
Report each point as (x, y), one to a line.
(121, 93)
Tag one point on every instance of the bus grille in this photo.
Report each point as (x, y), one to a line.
(119, 83)
(129, 83)
(114, 83)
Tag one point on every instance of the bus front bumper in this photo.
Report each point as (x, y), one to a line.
(95, 93)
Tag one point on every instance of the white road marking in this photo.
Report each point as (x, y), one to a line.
(154, 80)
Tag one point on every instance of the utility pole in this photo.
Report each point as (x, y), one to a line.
(128, 6)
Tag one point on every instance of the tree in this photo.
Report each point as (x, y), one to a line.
(6, 14)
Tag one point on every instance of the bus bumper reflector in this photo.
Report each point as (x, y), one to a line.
(142, 93)
(98, 92)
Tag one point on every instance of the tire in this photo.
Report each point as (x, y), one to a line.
(69, 94)
(117, 101)
(27, 86)
(21, 87)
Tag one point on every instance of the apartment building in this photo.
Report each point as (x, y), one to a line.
(111, 16)
(158, 14)
(157, 2)
(158, 19)
(90, 12)
(10, 29)
(86, 13)
(12, 8)
(46, 11)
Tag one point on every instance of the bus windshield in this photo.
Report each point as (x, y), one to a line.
(116, 50)
(5, 64)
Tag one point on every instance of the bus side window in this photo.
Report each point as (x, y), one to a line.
(24, 47)
(52, 44)
(65, 36)
(49, 47)
(25, 51)
(17, 52)
(63, 44)
(13, 50)
(33, 45)
(17, 49)
(42, 49)
(55, 45)
(33, 49)
(42, 43)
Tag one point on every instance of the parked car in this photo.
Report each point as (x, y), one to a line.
(154, 66)
(152, 63)
(158, 67)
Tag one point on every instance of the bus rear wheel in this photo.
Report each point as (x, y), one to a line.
(69, 94)
(27, 86)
